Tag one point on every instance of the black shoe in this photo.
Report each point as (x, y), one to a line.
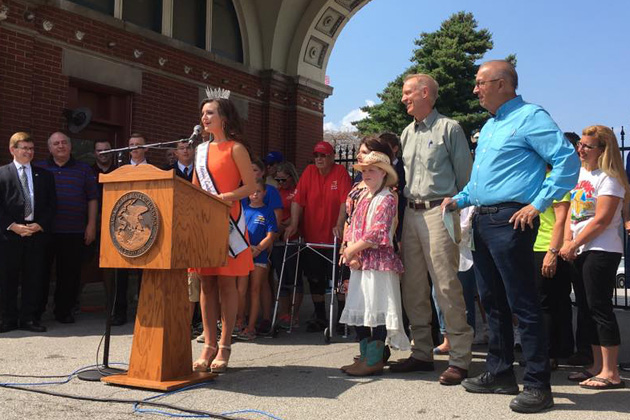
(316, 325)
(65, 319)
(386, 354)
(487, 383)
(8, 326)
(118, 320)
(33, 326)
(412, 365)
(625, 366)
(532, 400)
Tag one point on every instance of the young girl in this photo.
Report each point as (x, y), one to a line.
(373, 301)
(261, 228)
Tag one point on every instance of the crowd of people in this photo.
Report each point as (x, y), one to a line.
(512, 227)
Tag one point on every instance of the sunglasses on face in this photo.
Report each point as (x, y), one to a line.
(587, 146)
(281, 180)
(319, 155)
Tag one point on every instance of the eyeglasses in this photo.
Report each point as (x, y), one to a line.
(281, 180)
(480, 83)
(27, 148)
(319, 155)
(587, 146)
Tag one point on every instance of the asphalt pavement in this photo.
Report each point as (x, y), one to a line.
(292, 376)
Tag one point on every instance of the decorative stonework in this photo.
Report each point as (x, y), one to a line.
(329, 22)
(349, 4)
(316, 52)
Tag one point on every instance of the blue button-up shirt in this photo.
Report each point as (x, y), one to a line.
(511, 157)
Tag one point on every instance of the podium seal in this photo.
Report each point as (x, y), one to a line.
(134, 224)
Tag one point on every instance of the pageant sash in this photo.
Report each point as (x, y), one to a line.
(238, 242)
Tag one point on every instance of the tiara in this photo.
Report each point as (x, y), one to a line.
(218, 93)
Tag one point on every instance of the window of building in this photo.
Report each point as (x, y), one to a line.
(189, 22)
(103, 6)
(145, 13)
(226, 33)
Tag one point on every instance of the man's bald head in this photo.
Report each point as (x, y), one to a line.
(502, 69)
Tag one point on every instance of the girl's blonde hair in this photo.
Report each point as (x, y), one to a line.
(610, 160)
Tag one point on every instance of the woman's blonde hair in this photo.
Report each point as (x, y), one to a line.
(610, 160)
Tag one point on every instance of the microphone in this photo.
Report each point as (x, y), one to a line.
(195, 135)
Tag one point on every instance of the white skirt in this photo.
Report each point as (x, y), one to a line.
(374, 299)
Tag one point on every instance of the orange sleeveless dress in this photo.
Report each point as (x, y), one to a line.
(227, 178)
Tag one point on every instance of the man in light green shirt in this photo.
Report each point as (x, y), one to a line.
(437, 163)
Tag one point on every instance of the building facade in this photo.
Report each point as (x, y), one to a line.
(143, 65)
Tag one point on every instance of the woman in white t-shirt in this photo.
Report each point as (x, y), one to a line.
(593, 239)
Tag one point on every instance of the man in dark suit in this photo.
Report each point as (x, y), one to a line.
(28, 204)
(184, 166)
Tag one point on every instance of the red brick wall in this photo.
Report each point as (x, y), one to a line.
(33, 90)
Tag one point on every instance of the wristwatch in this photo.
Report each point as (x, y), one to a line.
(554, 251)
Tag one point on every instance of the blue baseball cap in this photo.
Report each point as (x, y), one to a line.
(274, 157)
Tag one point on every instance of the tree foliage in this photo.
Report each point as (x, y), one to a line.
(449, 55)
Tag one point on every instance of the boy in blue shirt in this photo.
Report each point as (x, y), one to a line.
(261, 228)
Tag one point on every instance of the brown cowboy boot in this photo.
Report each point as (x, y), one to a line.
(372, 364)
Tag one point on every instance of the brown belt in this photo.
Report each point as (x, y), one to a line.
(423, 205)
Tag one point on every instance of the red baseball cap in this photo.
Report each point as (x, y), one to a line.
(323, 148)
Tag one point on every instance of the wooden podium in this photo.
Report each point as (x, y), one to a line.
(188, 228)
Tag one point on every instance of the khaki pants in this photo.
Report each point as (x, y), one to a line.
(427, 247)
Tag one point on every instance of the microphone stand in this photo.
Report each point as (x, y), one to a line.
(159, 145)
(95, 375)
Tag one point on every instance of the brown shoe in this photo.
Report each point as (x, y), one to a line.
(362, 368)
(412, 365)
(453, 376)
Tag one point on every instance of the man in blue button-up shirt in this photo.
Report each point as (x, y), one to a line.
(509, 189)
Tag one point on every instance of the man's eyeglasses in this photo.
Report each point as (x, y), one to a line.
(480, 83)
(26, 148)
(587, 146)
(319, 155)
(281, 180)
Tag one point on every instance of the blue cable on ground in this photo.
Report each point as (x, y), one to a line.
(67, 379)
(136, 404)
(167, 414)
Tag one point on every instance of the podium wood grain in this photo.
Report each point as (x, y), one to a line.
(193, 232)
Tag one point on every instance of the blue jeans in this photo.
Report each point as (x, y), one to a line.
(469, 286)
(504, 266)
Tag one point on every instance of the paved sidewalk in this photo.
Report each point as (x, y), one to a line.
(290, 377)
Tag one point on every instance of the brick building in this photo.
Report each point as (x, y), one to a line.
(142, 66)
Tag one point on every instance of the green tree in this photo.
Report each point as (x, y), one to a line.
(449, 55)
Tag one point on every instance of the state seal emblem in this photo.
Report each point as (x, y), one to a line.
(134, 224)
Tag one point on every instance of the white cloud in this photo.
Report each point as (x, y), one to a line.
(346, 122)
(330, 126)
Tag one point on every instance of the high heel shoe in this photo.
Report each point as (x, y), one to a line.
(201, 364)
(220, 366)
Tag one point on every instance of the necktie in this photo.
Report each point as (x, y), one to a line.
(28, 208)
(186, 171)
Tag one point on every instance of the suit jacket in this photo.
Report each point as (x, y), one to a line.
(179, 173)
(12, 199)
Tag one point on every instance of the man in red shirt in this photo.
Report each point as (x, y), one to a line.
(320, 203)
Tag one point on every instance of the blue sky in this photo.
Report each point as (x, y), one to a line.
(573, 56)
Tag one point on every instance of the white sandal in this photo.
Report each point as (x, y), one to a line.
(220, 366)
(202, 365)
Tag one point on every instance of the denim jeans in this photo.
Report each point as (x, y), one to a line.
(469, 286)
(504, 267)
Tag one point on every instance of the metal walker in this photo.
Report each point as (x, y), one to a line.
(301, 246)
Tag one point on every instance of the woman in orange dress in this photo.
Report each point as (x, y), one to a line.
(222, 167)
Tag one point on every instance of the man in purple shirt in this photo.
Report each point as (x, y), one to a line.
(74, 225)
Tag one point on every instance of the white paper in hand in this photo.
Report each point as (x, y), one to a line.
(453, 229)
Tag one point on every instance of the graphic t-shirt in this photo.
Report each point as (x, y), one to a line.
(590, 186)
(260, 221)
